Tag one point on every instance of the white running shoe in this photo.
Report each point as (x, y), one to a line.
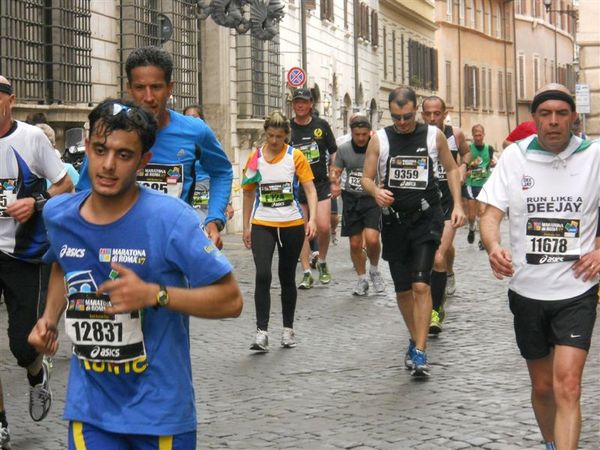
(4, 438)
(377, 280)
(40, 396)
(334, 238)
(261, 341)
(362, 287)
(451, 285)
(288, 338)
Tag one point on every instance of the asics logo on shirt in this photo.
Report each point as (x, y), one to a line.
(551, 259)
(104, 352)
(71, 252)
(421, 150)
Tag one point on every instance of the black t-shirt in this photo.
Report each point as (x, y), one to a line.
(410, 172)
(316, 141)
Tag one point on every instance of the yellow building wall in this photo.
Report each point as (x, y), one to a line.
(463, 42)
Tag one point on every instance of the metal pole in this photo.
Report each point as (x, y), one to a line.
(460, 71)
(303, 35)
(555, 52)
(514, 36)
(356, 8)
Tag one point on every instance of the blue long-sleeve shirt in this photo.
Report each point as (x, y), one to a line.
(183, 142)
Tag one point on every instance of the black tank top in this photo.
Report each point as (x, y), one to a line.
(410, 169)
(443, 179)
(452, 144)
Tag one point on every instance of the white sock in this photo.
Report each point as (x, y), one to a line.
(373, 269)
(322, 261)
(362, 277)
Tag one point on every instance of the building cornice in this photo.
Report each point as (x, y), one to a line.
(410, 14)
(463, 29)
(55, 112)
(535, 22)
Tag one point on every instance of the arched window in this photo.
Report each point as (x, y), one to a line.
(483, 16)
(346, 108)
(373, 114)
(499, 33)
(489, 19)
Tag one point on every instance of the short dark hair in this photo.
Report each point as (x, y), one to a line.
(35, 118)
(402, 95)
(434, 98)
(150, 56)
(117, 114)
(359, 121)
(197, 108)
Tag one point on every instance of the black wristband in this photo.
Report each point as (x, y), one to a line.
(219, 223)
(39, 201)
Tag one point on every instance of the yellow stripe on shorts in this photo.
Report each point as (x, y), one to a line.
(78, 436)
(164, 443)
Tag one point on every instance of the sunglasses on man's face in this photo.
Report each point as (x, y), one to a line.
(403, 117)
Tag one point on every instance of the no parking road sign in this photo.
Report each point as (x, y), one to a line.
(296, 77)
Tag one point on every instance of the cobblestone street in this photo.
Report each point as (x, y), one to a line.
(345, 386)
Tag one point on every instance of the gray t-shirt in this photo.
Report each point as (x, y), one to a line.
(352, 164)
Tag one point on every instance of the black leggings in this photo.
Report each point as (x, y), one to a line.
(289, 242)
(24, 286)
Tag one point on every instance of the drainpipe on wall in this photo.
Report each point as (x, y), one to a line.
(303, 37)
(121, 59)
(356, 80)
(515, 71)
(460, 93)
(514, 67)
(506, 55)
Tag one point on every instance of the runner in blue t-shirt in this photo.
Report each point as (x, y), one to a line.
(135, 265)
(181, 141)
(201, 195)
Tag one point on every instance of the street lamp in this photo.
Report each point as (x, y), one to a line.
(570, 12)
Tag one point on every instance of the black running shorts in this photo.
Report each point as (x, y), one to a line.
(410, 247)
(447, 207)
(323, 188)
(542, 324)
(359, 213)
(471, 192)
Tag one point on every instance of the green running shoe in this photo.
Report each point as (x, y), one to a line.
(324, 275)
(307, 281)
(435, 326)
